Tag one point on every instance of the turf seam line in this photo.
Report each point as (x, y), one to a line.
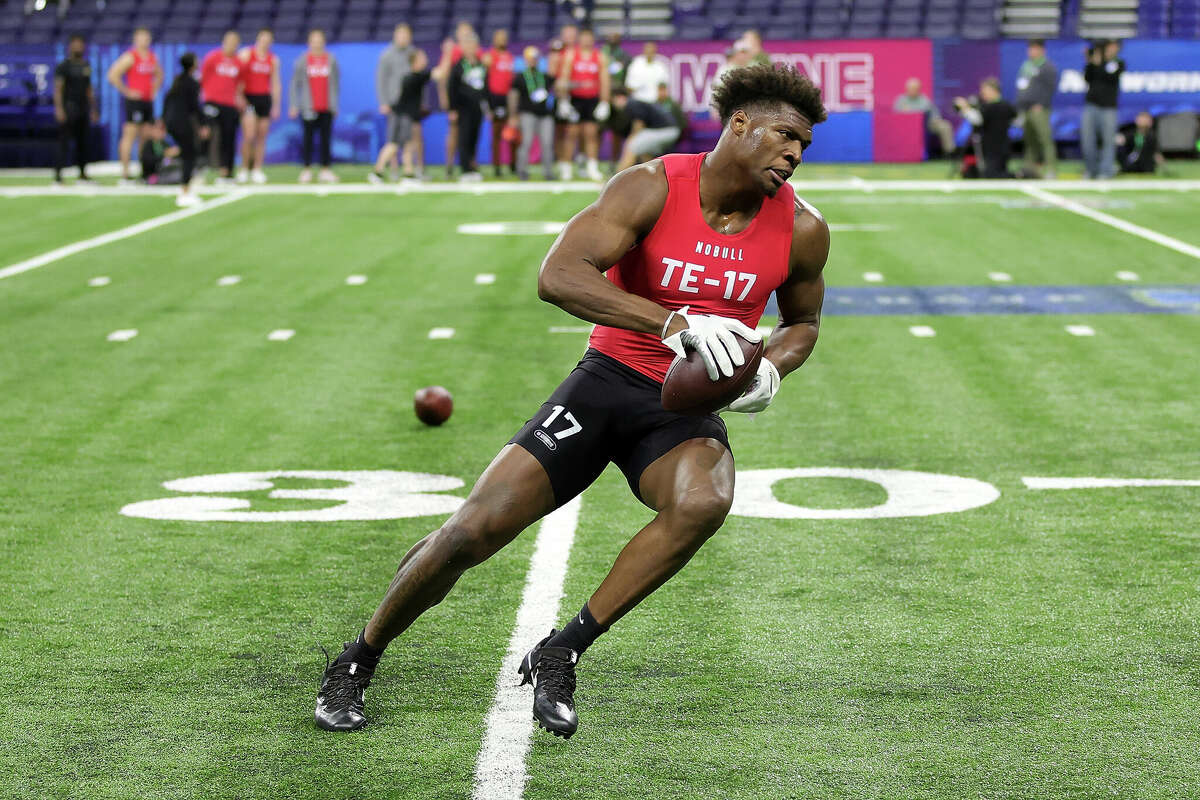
(83, 245)
(1114, 222)
(500, 772)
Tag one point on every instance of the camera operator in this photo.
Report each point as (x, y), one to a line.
(991, 116)
(1103, 76)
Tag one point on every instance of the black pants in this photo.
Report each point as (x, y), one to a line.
(225, 127)
(470, 120)
(322, 121)
(184, 135)
(77, 128)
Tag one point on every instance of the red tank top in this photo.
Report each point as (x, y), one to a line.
(219, 78)
(257, 72)
(500, 73)
(318, 80)
(585, 74)
(684, 262)
(140, 77)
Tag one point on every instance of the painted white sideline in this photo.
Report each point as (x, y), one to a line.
(116, 236)
(500, 771)
(1103, 483)
(1111, 221)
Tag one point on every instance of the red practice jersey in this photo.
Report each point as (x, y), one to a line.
(684, 262)
(219, 78)
(140, 77)
(585, 75)
(317, 68)
(257, 71)
(500, 73)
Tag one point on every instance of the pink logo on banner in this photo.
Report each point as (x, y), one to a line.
(854, 75)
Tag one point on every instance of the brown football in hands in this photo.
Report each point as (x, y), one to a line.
(687, 388)
(433, 405)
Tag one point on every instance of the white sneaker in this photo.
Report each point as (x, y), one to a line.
(243, 176)
(127, 182)
(223, 181)
(187, 200)
(327, 176)
(258, 176)
(564, 171)
(471, 177)
(57, 184)
(374, 178)
(593, 171)
(306, 176)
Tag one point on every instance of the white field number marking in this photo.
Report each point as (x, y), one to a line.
(367, 495)
(909, 494)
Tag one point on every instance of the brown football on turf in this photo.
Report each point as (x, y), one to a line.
(688, 389)
(433, 405)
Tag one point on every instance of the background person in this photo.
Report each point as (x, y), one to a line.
(1103, 76)
(1139, 148)
(221, 84)
(914, 101)
(313, 96)
(655, 130)
(138, 77)
(394, 64)
(529, 104)
(646, 71)
(754, 43)
(499, 63)
(584, 83)
(74, 107)
(263, 87)
(618, 59)
(466, 92)
(404, 118)
(991, 117)
(451, 53)
(181, 113)
(1036, 84)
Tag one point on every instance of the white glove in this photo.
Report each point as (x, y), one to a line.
(713, 338)
(603, 110)
(760, 393)
(564, 110)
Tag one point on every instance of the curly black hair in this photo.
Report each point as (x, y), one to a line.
(759, 84)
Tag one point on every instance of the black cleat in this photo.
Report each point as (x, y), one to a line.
(552, 671)
(340, 698)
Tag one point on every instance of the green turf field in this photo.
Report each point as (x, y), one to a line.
(1042, 643)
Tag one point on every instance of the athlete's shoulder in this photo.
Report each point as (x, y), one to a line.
(810, 239)
(638, 193)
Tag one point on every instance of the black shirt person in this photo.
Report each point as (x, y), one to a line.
(74, 107)
(991, 119)
(467, 92)
(181, 113)
(1099, 121)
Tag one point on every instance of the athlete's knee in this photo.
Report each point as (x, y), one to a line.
(471, 537)
(699, 513)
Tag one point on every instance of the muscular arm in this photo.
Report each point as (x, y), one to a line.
(117, 71)
(276, 85)
(800, 297)
(572, 276)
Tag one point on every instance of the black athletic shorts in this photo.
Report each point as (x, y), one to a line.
(261, 103)
(586, 106)
(498, 103)
(604, 411)
(140, 112)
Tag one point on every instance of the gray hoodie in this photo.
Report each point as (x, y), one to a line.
(1036, 83)
(389, 75)
(299, 96)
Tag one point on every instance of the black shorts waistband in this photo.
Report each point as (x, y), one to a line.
(596, 362)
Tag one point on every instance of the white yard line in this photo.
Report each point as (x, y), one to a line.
(1104, 483)
(1114, 222)
(500, 772)
(115, 236)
